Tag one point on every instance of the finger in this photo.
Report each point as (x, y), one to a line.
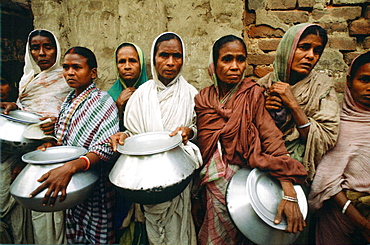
(279, 215)
(37, 190)
(63, 195)
(43, 177)
(46, 197)
(174, 132)
(53, 198)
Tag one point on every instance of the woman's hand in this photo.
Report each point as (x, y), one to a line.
(56, 180)
(186, 133)
(116, 139)
(273, 102)
(290, 209)
(46, 145)
(48, 128)
(8, 106)
(17, 169)
(125, 96)
(284, 91)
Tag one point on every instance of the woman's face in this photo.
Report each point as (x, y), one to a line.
(308, 52)
(43, 52)
(168, 60)
(359, 86)
(77, 73)
(231, 63)
(128, 65)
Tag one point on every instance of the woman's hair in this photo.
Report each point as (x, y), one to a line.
(316, 30)
(358, 62)
(85, 52)
(220, 43)
(124, 45)
(164, 37)
(43, 33)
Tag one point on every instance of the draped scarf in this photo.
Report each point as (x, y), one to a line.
(120, 85)
(42, 92)
(316, 96)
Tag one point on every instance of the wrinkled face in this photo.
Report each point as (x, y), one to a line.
(231, 63)
(359, 86)
(308, 52)
(5, 90)
(77, 73)
(43, 52)
(128, 65)
(168, 60)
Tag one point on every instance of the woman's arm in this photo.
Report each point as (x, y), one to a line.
(57, 179)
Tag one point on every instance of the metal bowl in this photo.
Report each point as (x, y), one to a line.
(247, 217)
(39, 163)
(12, 127)
(153, 168)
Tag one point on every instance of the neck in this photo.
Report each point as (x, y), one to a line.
(224, 88)
(296, 77)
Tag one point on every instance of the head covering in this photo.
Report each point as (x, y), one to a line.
(152, 57)
(286, 50)
(350, 110)
(30, 67)
(44, 91)
(120, 85)
(213, 75)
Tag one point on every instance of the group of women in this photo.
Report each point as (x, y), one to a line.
(286, 124)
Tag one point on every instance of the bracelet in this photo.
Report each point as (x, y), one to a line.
(290, 199)
(87, 160)
(346, 206)
(304, 125)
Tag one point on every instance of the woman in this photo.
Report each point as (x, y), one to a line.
(42, 90)
(131, 72)
(340, 191)
(235, 131)
(302, 102)
(87, 118)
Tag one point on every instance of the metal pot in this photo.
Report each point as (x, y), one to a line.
(39, 163)
(153, 168)
(12, 127)
(252, 199)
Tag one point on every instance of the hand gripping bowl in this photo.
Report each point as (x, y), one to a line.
(153, 168)
(12, 127)
(252, 199)
(39, 163)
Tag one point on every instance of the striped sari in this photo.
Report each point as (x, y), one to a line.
(88, 120)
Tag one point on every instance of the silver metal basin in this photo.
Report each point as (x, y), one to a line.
(239, 199)
(154, 174)
(12, 127)
(40, 162)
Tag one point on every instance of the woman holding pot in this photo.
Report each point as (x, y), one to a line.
(235, 131)
(87, 118)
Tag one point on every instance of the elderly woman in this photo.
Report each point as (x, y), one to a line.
(87, 118)
(42, 90)
(341, 189)
(303, 102)
(166, 103)
(235, 131)
(131, 72)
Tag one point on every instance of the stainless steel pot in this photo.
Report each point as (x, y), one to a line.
(39, 163)
(12, 127)
(153, 168)
(252, 198)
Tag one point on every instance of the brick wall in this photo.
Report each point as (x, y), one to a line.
(346, 21)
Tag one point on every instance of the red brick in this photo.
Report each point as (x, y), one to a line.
(249, 70)
(367, 12)
(347, 13)
(291, 16)
(249, 18)
(264, 31)
(260, 59)
(342, 43)
(268, 44)
(348, 57)
(281, 4)
(262, 70)
(360, 27)
(306, 3)
(335, 27)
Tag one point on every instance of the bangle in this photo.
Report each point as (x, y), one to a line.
(304, 125)
(87, 160)
(346, 206)
(290, 199)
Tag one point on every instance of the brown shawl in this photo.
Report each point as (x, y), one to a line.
(246, 131)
